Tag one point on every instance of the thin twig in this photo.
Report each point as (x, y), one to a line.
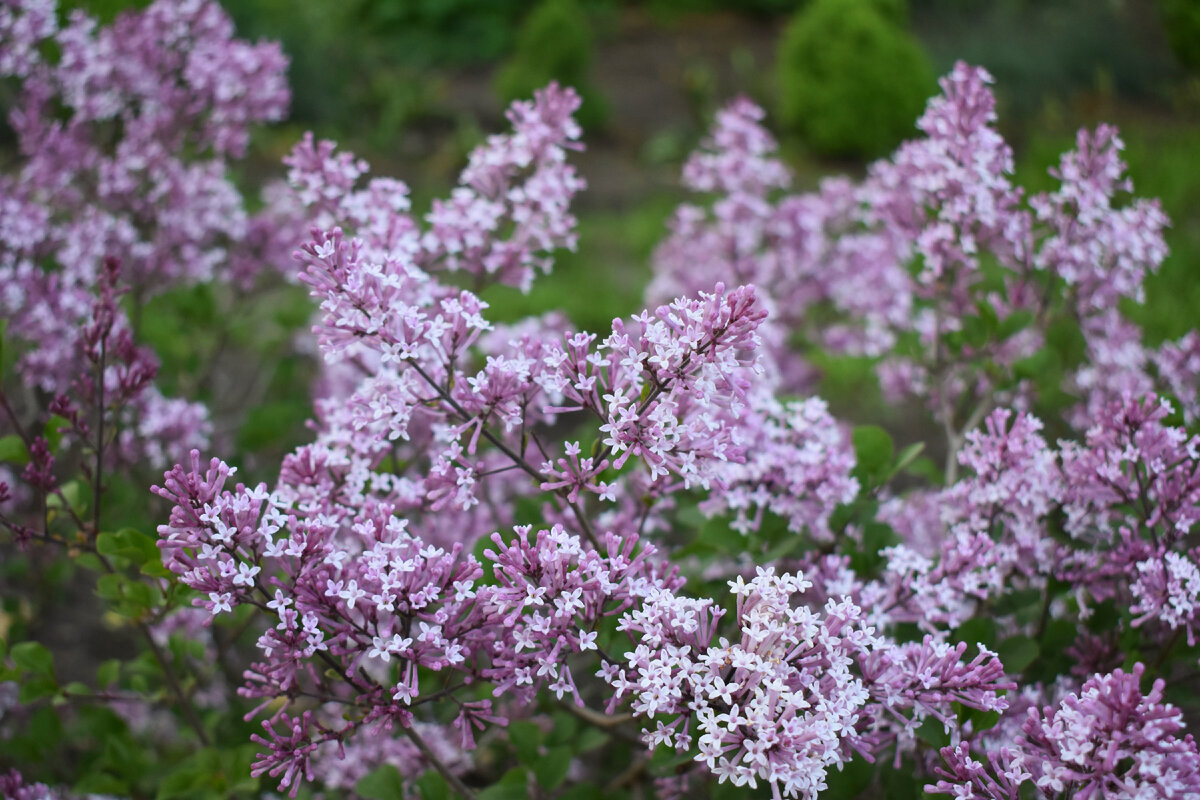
(455, 782)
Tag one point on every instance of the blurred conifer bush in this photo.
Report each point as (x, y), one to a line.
(851, 79)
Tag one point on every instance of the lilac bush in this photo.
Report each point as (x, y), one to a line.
(508, 545)
(124, 135)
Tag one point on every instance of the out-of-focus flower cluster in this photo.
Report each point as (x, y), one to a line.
(124, 134)
(935, 263)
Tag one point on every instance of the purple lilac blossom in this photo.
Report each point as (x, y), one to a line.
(102, 128)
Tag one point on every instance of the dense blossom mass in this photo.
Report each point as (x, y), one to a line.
(124, 139)
(654, 530)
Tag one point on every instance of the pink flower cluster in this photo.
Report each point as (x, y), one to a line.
(797, 691)
(1109, 740)
(935, 263)
(104, 120)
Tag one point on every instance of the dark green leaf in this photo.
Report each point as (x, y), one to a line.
(36, 688)
(582, 791)
(551, 769)
(873, 450)
(848, 782)
(977, 630)
(33, 659)
(381, 783)
(526, 738)
(1016, 653)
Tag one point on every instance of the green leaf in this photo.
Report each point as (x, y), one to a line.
(850, 781)
(108, 673)
(591, 739)
(873, 449)
(99, 783)
(982, 720)
(1019, 600)
(182, 782)
(582, 791)
(12, 450)
(33, 659)
(1016, 653)
(109, 587)
(381, 783)
(977, 630)
(36, 688)
(933, 733)
(907, 456)
(717, 534)
(43, 735)
(128, 543)
(52, 431)
(526, 738)
(563, 727)
(875, 537)
(433, 786)
(1015, 323)
(551, 769)
(76, 494)
(512, 786)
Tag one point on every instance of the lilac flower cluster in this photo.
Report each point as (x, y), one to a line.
(373, 605)
(359, 552)
(800, 690)
(509, 212)
(935, 262)
(1109, 740)
(104, 118)
(970, 277)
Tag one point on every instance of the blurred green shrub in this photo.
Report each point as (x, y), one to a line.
(851, 80)
(554, 43)
(1181, 19)
(438, 32)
